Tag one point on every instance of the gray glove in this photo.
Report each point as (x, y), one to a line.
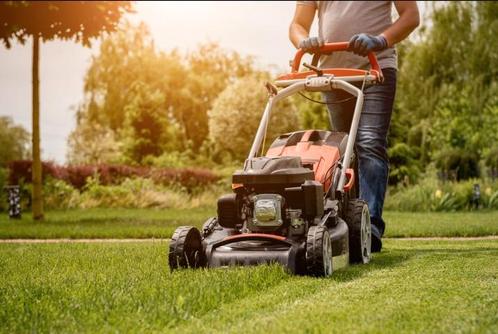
(362, 44)
(310, 43)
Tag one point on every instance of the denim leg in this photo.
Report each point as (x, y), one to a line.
(371, 139)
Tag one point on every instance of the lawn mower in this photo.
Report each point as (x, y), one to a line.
(297, 204)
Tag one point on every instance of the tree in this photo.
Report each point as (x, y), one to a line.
(47, 20)
(236, 113)
(14, 141)
(148, 131)
(93, 144)
(154, 103)
(132, 93)
(447, 93)
(211, 69)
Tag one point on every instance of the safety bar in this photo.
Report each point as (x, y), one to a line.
(329, 48)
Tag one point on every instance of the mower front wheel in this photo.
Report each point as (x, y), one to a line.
(318, 252)
(185, 249)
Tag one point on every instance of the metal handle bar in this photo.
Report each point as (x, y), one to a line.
(327, 49)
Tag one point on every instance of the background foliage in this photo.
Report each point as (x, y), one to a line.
(447, 106)
(236, 113)
(142, 104)
(14, 141)
(145, 107)
(147, 103)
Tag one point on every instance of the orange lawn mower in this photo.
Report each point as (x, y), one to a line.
(297, 204)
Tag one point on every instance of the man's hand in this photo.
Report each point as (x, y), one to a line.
(362, 44)
(310, 43)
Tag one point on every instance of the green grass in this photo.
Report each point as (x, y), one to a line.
(441, 224)
(104, 223)
(151, 223)
(413, 286)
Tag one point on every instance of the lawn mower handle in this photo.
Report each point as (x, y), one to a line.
(327, 49)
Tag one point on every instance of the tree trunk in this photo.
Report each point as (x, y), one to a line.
(37, 196)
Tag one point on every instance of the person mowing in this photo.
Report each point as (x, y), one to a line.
(368, 26)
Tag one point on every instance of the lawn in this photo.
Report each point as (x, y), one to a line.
(104, 223)
(412, 286)
(150, 223)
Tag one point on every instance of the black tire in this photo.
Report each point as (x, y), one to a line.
(185, 249)
(318, 252)
(360, 231)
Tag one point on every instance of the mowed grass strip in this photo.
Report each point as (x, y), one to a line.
(151, 223)
(412, 286)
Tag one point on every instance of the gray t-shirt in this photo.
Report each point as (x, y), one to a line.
(338, 21)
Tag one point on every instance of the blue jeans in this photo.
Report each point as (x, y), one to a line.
(371, 139)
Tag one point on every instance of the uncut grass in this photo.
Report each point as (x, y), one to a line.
(413, 286)
(441, 224)
(104, 223)
(153, 223)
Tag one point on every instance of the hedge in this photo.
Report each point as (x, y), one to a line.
(20, 171)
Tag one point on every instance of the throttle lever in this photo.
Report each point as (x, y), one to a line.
(315, 69)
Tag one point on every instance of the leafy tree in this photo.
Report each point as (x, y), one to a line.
(447, 90)
(127, 59)
(14, 141)
(155, 103)
(130, 94)
(403, 167)
(93, 144)
(147, 129)
(236, 113)
(211, 69)
(47, 20)
(491, 161)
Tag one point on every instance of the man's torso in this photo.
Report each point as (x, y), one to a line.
(338, 21)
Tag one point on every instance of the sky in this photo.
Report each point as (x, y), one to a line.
(252, 28)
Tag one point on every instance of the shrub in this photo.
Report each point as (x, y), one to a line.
(3, 192)
(491, 162)
(142, 193)
(189, 178)
(20, 171)
(458, 164)
(403, 165)
(433, 195)
(57, 194)
(417, 197)
(236, 113)
(492, 202)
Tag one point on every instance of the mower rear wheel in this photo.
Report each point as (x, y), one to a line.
(360, 231)
(318, 252)
(185, 249)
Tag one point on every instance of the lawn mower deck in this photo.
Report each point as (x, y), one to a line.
(297, 204)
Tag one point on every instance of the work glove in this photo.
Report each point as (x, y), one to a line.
(310, 43)
(362, 44)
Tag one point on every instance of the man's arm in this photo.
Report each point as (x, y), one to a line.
(408, 20)
(300, 26)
